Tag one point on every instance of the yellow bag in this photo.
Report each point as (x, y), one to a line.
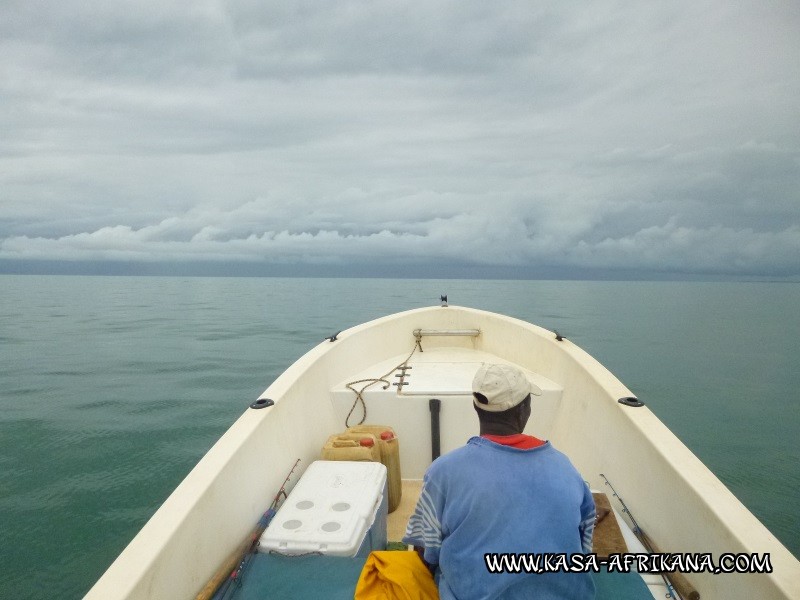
(395, 575)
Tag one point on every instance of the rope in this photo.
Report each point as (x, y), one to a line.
(372, 381)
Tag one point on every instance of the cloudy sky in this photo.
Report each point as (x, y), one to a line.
(661, 138)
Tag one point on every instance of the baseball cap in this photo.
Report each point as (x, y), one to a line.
(503, 386)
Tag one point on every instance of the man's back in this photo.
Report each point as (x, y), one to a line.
(487, 498)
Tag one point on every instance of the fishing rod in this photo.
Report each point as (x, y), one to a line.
(677, 585)
(228, 576)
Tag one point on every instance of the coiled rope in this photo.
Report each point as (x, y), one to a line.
(372, 381)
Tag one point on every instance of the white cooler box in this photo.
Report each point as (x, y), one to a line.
(338, 508)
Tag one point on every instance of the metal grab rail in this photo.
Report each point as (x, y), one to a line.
(418, 333)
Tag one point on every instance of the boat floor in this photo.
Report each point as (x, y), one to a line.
(398, 519)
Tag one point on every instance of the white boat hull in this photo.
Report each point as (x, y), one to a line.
(675, 498)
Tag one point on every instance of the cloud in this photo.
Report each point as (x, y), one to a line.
(505, 241)
(603, 136)
(716, 249)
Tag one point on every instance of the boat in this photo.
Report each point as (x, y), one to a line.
(412, 371)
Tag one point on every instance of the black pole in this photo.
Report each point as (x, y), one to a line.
(435, 405)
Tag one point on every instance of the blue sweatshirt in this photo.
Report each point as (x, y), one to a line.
(490, 498)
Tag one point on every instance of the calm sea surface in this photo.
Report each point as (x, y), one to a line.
(111, 388)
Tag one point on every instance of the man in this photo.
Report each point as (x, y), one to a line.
(504, 492)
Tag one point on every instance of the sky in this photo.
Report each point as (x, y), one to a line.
(470, 137)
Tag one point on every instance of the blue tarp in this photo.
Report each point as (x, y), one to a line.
(271, 576)
(620, 586)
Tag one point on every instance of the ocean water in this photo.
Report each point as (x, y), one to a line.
(111, 388)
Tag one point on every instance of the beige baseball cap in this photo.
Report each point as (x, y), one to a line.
(503, 387)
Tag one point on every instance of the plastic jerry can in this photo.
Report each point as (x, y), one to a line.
(353, 447)
(389, 456)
